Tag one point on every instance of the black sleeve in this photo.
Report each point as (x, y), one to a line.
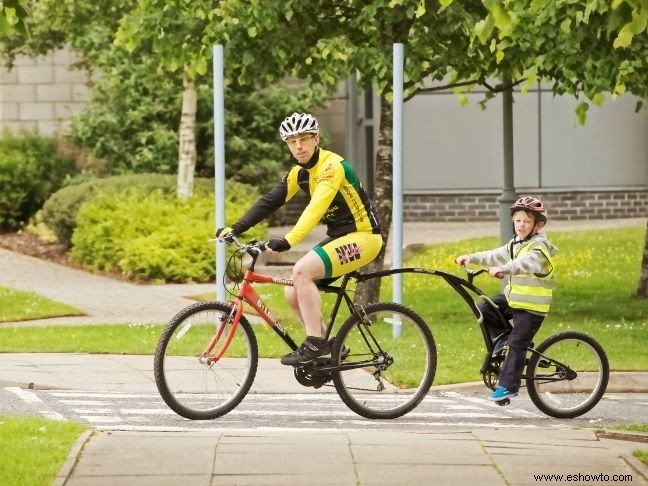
(266, 205)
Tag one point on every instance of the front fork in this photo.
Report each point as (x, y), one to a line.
(207, 357)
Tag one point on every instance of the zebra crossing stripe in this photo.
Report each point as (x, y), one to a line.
(33, 399)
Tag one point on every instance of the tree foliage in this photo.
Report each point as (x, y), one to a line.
(587, 48)
(130, 121)
(13, 15)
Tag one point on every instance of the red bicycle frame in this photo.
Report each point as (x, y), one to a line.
(248, 294)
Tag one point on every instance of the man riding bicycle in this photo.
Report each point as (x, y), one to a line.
(337, 198)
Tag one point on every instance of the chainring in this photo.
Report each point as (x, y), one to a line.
(307, 375)
(491, 375)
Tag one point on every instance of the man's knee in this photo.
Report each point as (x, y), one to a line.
(308, 268)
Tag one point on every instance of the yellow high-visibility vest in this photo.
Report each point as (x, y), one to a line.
(532, 292)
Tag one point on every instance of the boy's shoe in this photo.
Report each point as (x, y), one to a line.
(502, 393)
(310, 349)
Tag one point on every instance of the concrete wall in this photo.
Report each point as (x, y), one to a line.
(449, 146)
(41, 93)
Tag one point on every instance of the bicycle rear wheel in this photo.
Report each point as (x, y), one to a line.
(569, 376)
(391, 363)
(191, 384)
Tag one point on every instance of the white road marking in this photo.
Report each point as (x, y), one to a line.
(84, 402)
(101, 419)
(33, 399)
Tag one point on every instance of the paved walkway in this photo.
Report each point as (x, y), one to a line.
(449, 455)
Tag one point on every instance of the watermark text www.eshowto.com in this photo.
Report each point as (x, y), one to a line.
(585, 478)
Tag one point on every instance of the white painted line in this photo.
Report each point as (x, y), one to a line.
(462, 407)
(101, 419)
(88, 411)
(33, 399)
(84, 402)
(147, 411)
(489, 404)
(26, 396)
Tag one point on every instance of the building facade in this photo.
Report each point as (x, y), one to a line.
(41, 93)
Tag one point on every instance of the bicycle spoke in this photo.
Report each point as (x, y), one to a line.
(197, 386)
(570, 376)
(398, 356)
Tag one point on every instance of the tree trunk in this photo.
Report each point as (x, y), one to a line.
(187, 138)
(369, 291)
(642, 290)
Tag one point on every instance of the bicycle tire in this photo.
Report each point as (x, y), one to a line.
(191, 387)
(569, 397)
(395, 389)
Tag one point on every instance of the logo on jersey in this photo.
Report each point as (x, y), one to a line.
(326, 175)
(348, 253)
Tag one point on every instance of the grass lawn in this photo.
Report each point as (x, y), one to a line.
(597, 273)
(34, 449)
(16, 305)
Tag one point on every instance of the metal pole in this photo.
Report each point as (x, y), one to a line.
(397, 188)
(219, 166)
(507, 198)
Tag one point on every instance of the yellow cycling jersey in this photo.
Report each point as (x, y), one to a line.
(336, 197)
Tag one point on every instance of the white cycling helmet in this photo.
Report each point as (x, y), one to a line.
(298, 123)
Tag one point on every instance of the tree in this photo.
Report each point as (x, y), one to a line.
(131, 119)
(601, 48)
(454, 44)
(324, 42)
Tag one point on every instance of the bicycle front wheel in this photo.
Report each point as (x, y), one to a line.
(568, 375)
(390, 363)
(189, 381)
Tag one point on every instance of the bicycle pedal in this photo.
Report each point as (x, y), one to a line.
(504, 402)
(544, 363)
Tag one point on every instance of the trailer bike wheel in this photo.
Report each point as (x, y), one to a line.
(567, 374)
(191, 380)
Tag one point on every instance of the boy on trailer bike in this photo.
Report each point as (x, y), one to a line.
(527, 262)
(337, 198)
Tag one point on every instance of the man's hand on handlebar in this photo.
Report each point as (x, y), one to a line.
(225, 234)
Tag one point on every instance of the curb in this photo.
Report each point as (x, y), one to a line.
(636, 464)
(628, 436)
(68, 466)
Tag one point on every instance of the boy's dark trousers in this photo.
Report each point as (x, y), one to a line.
(525, 327)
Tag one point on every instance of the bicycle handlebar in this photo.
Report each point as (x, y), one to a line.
(474, 273)
(253, 246)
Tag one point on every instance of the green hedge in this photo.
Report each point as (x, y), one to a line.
(31, 169)
(152, 235)
(60, 210)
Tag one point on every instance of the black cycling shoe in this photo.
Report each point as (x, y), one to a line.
(310, 349)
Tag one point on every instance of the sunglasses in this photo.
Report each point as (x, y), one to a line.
(292, 142)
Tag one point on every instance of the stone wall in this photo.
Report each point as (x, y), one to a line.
(41, 93)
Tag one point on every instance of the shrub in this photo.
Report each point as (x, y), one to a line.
(31, 169)
(152, 235)
(60, 210)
